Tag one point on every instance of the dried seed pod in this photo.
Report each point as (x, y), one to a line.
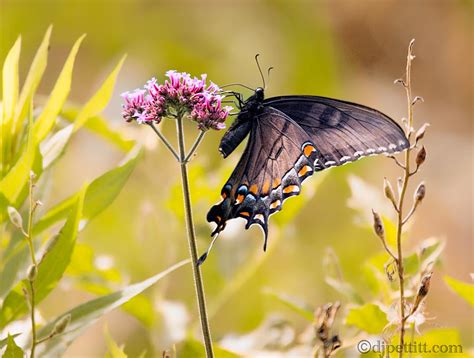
(422, 291)
(421, 132)
(420, 156)
(388, 190)
(15, 217)
(420, 193)
(378, 225)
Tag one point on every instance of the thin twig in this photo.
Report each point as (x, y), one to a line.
(403, 190)
(410, 213)
(195, 146)
(164, 140)
(198, 283)
(396, 161)
(31, 280)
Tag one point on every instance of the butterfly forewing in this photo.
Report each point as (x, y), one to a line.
(342, 131)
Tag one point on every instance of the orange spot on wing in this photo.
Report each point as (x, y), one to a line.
(308, 149)
(244, 213)
(224, 195)
(240, 198)
(266, 187)
(276, 182)
(253, 189)
(275, 204)
(291, 189)
(304, 170)
(218, 218)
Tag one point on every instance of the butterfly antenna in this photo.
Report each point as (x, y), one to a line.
(238, 84)
(268, 74)
(204, 255)
(260, 70)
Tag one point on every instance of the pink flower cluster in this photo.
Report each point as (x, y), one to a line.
(180, 94)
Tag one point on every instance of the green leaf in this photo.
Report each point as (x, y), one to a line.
(32, 80)
(293, 303)
(463, 289)
(14, 269)
(99, 195)
(51, 267)
(369, 318)
(10, 82)
(54, 262)
(12, 351)
(443, 338)
(58, 96)
(99, 101)
(11, 186)
(53, 148)
(3, 342)
(100, 126)
(333, 277)
(88, 313)
(114, 350)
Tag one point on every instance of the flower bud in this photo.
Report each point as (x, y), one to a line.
(421, 156)
(32, 273)
(61, 325)
(388, 190)
(15, 217)
(378, 225)
(420, 193)
(421, 132)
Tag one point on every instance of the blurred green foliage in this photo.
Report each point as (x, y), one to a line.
(128, 235)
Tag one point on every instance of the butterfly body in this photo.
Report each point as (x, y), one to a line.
(290, 138)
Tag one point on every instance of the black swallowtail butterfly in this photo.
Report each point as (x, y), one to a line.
(290, 138)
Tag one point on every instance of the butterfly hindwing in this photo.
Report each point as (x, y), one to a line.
(278, 157)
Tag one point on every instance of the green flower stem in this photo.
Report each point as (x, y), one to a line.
(198, 283)
(164, 140)
(31, 280)
(195, 146)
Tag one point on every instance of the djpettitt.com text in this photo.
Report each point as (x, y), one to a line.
(383, 348)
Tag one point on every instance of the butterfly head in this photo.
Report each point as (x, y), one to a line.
(259, 94)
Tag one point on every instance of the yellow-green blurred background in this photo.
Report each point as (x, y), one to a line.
(351, 50)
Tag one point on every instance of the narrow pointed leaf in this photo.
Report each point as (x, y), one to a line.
(51, 267)
(88, 313)
(58, 96)
(10, 81)
(100, 99)
(463, 289)
(33, 79)
(13, 183)
(100, 193)
(12, 351)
